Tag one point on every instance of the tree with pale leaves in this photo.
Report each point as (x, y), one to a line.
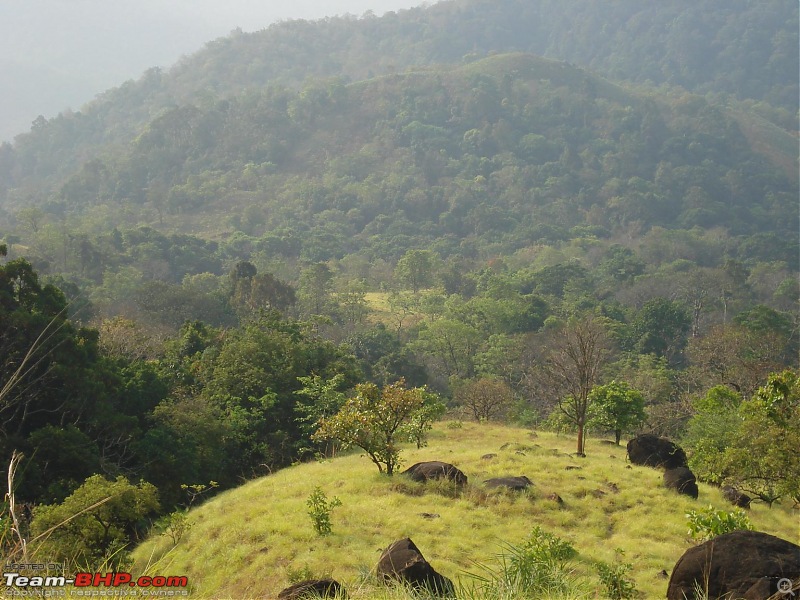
(378, 421)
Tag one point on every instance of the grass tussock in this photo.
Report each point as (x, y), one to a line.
(255, 540)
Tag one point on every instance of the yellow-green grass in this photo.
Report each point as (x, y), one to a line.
(380, 311)
(378, 304)
(249, 542)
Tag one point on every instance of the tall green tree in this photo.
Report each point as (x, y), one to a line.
(661, 327)
(750, 444)
(314, 289)
(616, 406)
(416, 269)
(764, 458)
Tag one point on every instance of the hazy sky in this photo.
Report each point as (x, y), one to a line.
(58, 54)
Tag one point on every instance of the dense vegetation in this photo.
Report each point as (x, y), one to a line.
(206, 264)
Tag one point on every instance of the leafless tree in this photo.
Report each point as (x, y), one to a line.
(572, 368)
(485, 398)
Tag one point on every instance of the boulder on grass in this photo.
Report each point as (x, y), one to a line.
(403, 562)
(650, 450)
(435, 469)
(313, 588)
(736, 497)
(740, 564)
(517, 484)
(682, 480)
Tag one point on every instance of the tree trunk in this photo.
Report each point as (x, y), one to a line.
(580, 439)
(618, 435)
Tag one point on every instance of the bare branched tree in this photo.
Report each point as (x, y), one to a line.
(572, 368)
(485, 398)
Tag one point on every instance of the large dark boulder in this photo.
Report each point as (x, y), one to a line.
(736, 497)
(742, 564)
(681, 480)
(403, 562)
(652, 451)
(313, 588)
(517, 484)
(435, 469)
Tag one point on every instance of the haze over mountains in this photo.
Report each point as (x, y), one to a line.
(56, 55)
(741, 56)
(445, 196)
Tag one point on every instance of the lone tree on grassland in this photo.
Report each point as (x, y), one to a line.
(378, 420)
(616, 406)
(572, 368)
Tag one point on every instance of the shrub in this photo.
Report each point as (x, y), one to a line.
(94, 525)
(319, 509)
(539, 567)
(614, 579)
(709, 523)
(174, 525)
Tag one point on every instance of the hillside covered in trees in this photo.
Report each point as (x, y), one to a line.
(201, 264)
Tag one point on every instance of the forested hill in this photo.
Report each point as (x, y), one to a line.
(745, 50)
(506, 150)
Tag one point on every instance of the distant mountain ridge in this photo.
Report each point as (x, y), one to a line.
(427, 115)
(743, 48)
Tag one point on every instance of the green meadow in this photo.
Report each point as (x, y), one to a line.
(253, 541)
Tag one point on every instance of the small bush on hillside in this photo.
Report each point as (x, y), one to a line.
(709, 523)
(299, 574)
(174, 525)
(319, 509)
(614, 578)
(539, 567)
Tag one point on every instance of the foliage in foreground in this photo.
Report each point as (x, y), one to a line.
(708, 523)
(615, 580)
(539, 567)
(94, 525)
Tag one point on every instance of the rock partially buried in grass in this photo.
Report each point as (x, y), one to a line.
(736, 497)
(740, 564)
(681, 480)
(517, 484)
(556, 498)
(434, 469)
(426, 515)
(650, 450)
(403, 562)
(313, 588)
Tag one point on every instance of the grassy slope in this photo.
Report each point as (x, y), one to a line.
(247, 542)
